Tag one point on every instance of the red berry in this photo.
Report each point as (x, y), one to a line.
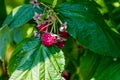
(66, 75)
(43, 27)
(60, 44)
(48, 39)
(64, 34)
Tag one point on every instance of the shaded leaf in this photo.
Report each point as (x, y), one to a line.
(33, 61)
(88, 64)
(108, 69)
(86, 24)
(22, 32)
(5, 39)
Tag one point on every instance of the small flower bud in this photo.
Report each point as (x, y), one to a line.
(37, 16)
(36, 34)
(63, 27)
(35, 2)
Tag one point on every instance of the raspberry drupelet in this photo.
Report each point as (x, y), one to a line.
(43, 27)
(48, 39)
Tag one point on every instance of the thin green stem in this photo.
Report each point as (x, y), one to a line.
(51, 29)
(52, 10)
(54, 17)
(57, 30)
(45, 5)
(57, 18)
(54, 27)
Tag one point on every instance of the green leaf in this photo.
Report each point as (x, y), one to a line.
(33, 61)
(86, 24)
(88, 65)
(22, 32)
(108, 69)
(20, 15)
(5, 39)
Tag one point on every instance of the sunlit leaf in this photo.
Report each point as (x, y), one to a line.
(33, 61)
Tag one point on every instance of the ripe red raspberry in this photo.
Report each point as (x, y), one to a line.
(60, 44)
(43, 27)
(64, 34)
(48, 39)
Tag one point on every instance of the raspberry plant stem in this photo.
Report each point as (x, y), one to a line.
(45, 5)
(54, 16)
(58, 18)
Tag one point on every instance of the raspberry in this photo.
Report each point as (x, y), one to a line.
(64, 34)
(48, 39)
(43, 27)
(60, 44)
(66, 75)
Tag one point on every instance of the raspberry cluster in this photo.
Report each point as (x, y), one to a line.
(49, 31)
